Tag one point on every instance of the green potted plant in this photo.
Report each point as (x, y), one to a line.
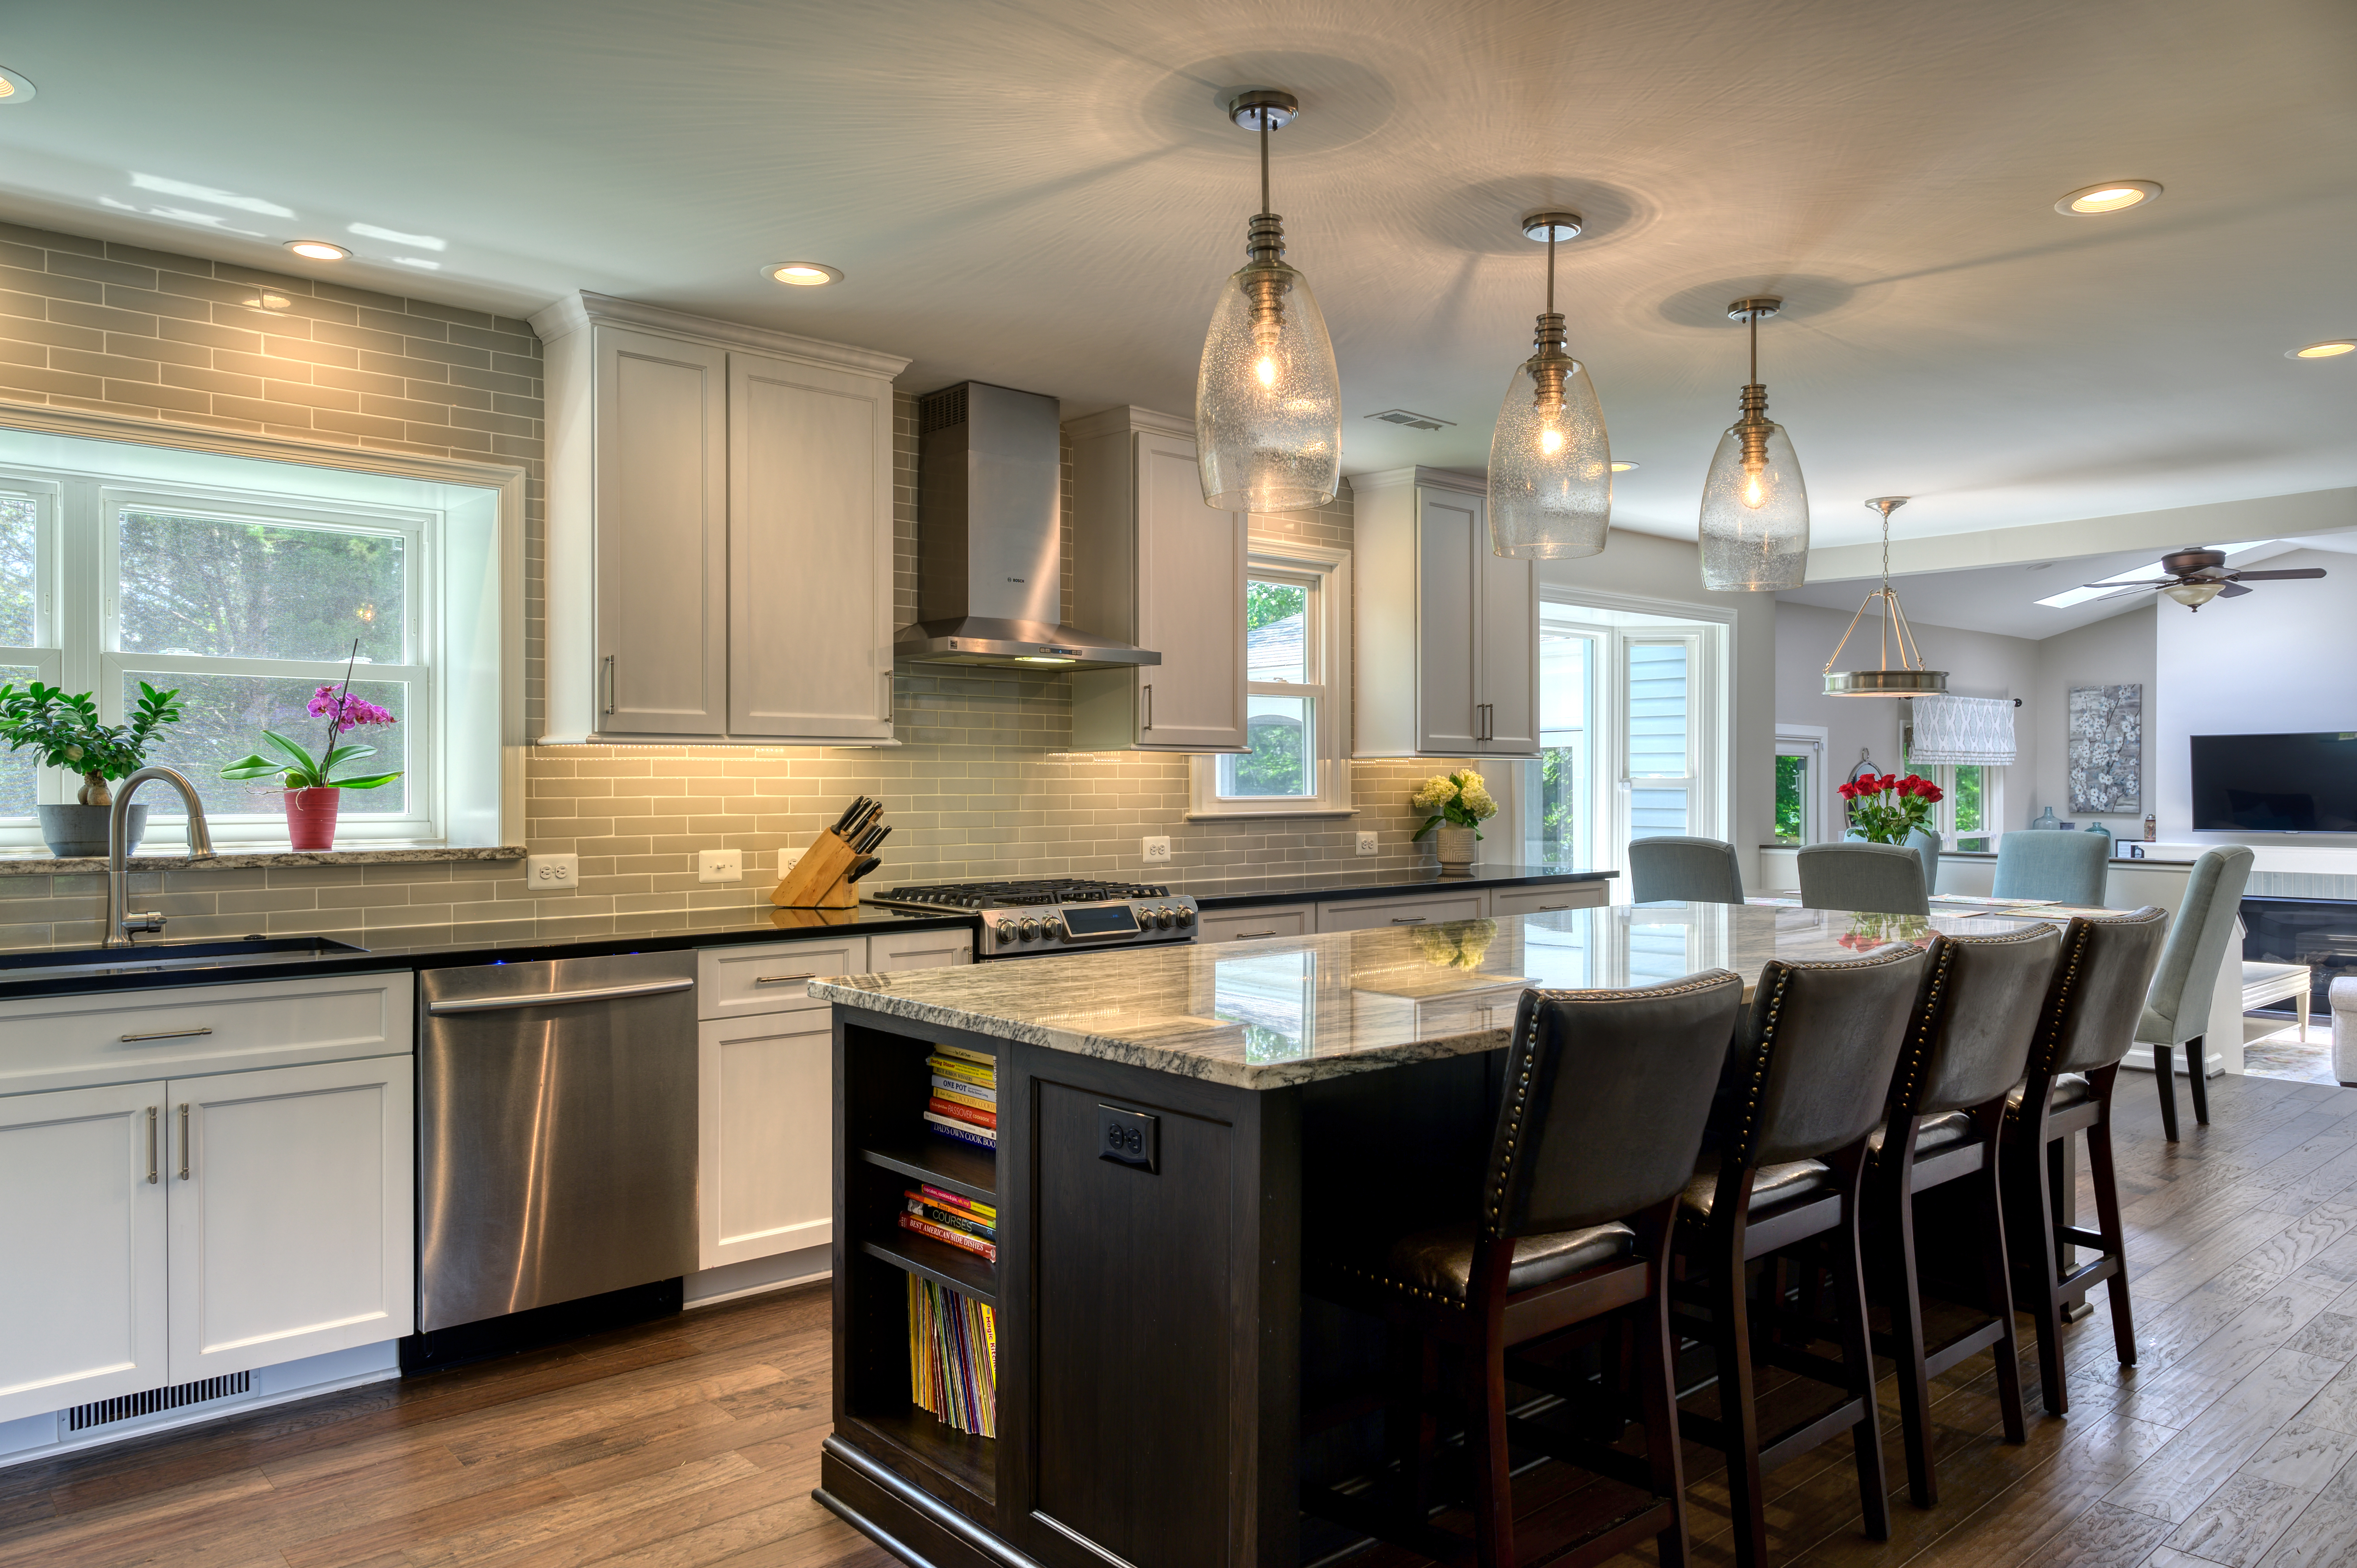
(1460, 803)
(309, 787)
(65, 731)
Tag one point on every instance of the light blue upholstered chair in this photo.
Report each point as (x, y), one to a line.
(1872, 878)
(2065, 868)
(1699, 871)
(1925, 842)
(2176, 1008)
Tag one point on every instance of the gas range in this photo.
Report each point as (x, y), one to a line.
(1030, 917)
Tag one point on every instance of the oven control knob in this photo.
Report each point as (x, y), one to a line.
(1162, 918)
(1031, 929)
(1185, 917)
(1052, 929)
(1006, 932)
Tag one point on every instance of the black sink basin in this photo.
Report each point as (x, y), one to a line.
(153, 955)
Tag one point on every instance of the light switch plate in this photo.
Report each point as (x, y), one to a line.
(720, 866)
(1366, 843)
(552, 873)
(1154, 849)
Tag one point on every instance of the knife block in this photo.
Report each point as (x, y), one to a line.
(816, 882)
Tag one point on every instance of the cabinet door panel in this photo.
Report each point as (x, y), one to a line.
(1449, 550)
(1508, 628)
(765, 1136)
(1248, 925)
(661, 530)
(292, 1232)
(919, 950)
(810, 544)
(81, 1247)
(1190, 590)
(1548, 899)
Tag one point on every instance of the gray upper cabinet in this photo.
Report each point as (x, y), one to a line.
(719, 531)
(1152, 564)
(1447, 631)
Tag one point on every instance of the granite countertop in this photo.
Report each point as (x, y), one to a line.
(1243, 892)
(245, 857)
(1265, 1014)
(503, 941)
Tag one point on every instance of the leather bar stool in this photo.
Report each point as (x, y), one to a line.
(1606, 1094)
(2089, 1022)
(1977, 1018)
(1802, 1090)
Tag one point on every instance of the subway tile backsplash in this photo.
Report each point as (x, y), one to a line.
(982, 785)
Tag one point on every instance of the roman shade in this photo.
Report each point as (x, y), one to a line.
(1962, 730)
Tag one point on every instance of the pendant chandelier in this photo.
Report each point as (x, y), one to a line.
(1268, 403)
(1755, 509)
(1550, 464)
(1906, 677)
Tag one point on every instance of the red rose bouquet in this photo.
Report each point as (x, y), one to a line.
(1886, 808)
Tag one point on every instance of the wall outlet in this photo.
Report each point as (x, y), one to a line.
(720, 866)
(552, 873)
(1366, 843)
(1154, 849)
(787, 859)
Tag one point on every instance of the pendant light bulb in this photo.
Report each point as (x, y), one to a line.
(1268, 402)
(1550, 461)
(1754, 508)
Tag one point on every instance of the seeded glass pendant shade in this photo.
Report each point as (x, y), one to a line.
(1550, 464)
(1268, 402)
(1899, 676)
(1755, 509)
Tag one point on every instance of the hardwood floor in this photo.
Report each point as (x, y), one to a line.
(695, 1441)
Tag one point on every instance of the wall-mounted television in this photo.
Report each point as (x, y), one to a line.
(2276, 783)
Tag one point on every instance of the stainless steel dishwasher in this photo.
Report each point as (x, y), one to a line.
(556, 1132)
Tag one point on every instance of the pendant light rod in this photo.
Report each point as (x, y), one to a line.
(1264, 166)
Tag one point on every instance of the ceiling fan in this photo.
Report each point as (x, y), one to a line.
(2197, 575)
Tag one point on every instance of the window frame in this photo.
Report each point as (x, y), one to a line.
(1325, 573)
(1816, 805)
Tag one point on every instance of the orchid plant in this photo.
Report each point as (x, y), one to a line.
(298, 769)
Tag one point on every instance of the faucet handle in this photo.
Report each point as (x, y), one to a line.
(143, 920)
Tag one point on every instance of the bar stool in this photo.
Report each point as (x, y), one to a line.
(1807, 1084)
(1606, 1094)
(1976, 1020)
(2089, 1022)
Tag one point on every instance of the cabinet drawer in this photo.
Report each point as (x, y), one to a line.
(1547, 900)
(919, 950)
(66, 1042)
(771, 977)
(1267, 920)
(1425, 908)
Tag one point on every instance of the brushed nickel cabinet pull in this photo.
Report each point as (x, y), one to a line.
(1550, 909)
(1244, 936)
(165, 1035)
(782, 979)
(151, 1145)
(1407, 920)
(1148, 689)
(609, 682)
(184, 1141)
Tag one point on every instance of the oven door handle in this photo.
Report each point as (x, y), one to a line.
(557, 998)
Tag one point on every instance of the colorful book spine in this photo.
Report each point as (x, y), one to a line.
(981, 1137)
(970, 1089)
(987, 1213)
(966, 1114)
(970, 1102)
(979, 1059)
(956, 1067)
(953, 1357)
(986, 1250)
(954, 1218)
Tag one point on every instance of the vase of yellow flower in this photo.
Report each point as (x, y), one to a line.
(1457, 805)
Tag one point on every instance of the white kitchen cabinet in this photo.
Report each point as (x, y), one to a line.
(890, 950)
(765, 1139)
(773, 977)
(1153, 565)
(291, 1231)
(1416, 909)
(1255, 923)
(719, 531)
(1547, 900)
(82, 1233)
(1447, 631)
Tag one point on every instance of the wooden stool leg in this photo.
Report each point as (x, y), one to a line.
(1998, 1280)
(1485, 1444)
(1738, 1414)
(1657, 1385)
(1410, 1423)
(2197, 1067)
(1905, 1300)
(2164, 1072)
(2107, 1224)
(1857, 1360)
(2031, 1243)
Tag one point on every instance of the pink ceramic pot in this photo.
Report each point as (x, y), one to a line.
(311, 817)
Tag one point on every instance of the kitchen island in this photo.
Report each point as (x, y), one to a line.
(1174, 1126)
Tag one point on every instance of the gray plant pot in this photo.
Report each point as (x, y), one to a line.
(81, 830)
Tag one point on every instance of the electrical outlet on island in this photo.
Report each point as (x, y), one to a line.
(552, 873)
(1366, 843)
(1155, 850)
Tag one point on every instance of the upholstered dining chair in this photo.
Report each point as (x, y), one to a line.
(2062, 869)
(1873, 878)
(1924, 842)
(1699, 871)
(2177, 1013)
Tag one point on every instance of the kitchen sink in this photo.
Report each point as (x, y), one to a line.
(174, 955)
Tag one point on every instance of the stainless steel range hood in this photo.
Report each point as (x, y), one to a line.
(990, 557)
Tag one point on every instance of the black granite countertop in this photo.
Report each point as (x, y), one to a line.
(1240, 893)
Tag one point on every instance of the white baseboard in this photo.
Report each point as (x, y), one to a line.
(754, 1275)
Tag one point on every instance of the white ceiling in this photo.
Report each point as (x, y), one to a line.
(1045, 193)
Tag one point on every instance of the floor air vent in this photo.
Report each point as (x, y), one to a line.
(155, 1402)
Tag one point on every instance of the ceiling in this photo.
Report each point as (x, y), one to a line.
(1045, 193)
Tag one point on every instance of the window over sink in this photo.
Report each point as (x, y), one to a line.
(1296, 604)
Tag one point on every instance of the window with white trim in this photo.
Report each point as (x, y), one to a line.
(1296, 599)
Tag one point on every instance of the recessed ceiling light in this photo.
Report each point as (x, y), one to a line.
(15, 87)
(2112, 196)
(2330, 348)
(318, 250)
(802, 274)
(1622, 465)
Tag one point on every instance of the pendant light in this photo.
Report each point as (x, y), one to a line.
(1268, 403)
(1907, 678)
(1755, 510)
(1550, 464)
